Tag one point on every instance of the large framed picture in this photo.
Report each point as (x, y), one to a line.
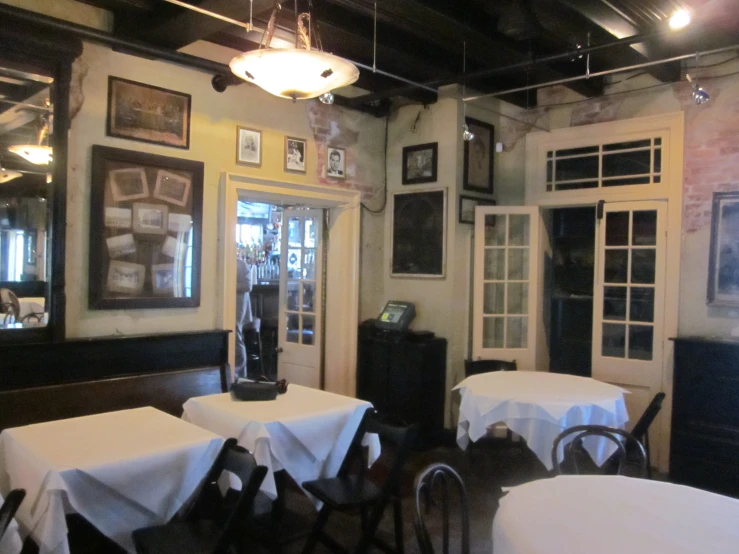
(419, 234)
(146, 113)
(478, 157)
(248, 147)
(467, 205)
(723, 263)
(420, 163)
(144, 250)
(295, 150)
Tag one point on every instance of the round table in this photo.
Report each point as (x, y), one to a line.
(585, 514)
(539, 406)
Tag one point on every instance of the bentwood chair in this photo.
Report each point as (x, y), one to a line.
(641, 429)
(213, 524)
(355, 492)
(577, 461)
(9, 508)
(433, 488)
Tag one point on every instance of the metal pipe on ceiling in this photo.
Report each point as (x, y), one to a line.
(602, 73)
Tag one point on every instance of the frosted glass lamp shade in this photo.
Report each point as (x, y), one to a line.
(6, 175)
(294, 73)
(39, 155)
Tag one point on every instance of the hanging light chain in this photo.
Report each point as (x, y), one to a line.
(374, 44)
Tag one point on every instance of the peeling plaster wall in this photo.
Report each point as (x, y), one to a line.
(213, 141)
(711, 164)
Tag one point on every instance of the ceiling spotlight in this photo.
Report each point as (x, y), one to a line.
(467, 135)
(327, 98)
(680, 19)
(700, 96)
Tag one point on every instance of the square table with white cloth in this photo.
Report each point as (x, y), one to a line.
(306, 432)
(11, 543)
(612, 514)
(539, 406)
(119, 470)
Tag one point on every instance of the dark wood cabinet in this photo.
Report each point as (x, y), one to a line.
(404, 378)
(704, 449)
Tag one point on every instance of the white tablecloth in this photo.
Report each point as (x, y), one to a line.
(584, 514)
(305, 431)
(539, 406)
(120, 470)
(11, 542)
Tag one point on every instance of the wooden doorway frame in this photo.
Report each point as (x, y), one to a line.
(342, 271)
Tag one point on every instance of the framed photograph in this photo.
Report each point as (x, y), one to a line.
(467, 205)
(420, 163)
(295, 150)
(478, 157)
(146, 113)
(336, 163)
(172, 188)
(248, 147)
(150, 219)
(419, 234)
(723, 262)
(144, 252)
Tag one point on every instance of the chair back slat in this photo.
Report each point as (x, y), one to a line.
(574, 450)
(9, 508)
(356, 450)
(433, 487)
(645, 421)
(475, 367)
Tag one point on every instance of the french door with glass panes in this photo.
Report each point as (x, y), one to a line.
(628, 300)
(301, 273)
(506, 284)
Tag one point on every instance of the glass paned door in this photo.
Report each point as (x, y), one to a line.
(506, 279)
(300, 297)
(629, 293)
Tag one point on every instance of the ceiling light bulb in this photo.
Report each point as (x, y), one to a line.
(700, 96)
(467, 135)
(327, 98)
(39, 155)
(6, 175)
(680, 19)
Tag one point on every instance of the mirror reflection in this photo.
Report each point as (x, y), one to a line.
(26, 125)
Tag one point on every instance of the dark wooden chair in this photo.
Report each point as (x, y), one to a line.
(433, 488)
(209, 527)
(9, 508)
(576, 460)
(475, 367)
(640, 430)
(355, 492)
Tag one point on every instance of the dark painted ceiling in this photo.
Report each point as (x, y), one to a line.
(422, 40)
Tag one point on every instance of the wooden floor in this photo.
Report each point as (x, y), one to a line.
(485, 471)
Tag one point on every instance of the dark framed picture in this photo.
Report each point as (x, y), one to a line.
(419, 234)
(723, 263)
(478, 157)
(146, 113)
(295, 150)
(248, 147)
(420, 163)
(336, 163)
(144, 251)
(467, 205)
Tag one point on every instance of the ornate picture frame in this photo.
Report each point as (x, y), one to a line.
(479, 157)
(144, 251)
(723, 262)
(420, 163)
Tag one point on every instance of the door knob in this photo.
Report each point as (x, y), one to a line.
(278, 349)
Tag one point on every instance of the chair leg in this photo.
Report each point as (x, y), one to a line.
(398, 512)
(368, 534)
(316, 530)
(649, 460)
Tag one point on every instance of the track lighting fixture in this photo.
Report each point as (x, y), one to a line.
(327, 98)
(700, 96)
(680, 19)
(467, 135)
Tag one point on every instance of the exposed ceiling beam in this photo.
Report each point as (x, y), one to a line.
(189, 26)
(124, 5)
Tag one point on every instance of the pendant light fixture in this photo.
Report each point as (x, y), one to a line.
(7, 175)
(297, 73)
(467, 135)
(39, 154)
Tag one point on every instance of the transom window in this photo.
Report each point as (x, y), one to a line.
(616, 164)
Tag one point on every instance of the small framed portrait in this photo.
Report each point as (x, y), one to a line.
(248, 147)
(128, 184)
(467, 205)
(336, 163)
(118, 218)
(120, 246)
(723, 261)
(137, 111)
(162, 278)
(295, 150)
(172, 188)
(420, 163)
(126, 277)
(478, 157)
(150, 219)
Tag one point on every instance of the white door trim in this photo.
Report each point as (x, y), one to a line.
(342, 272)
